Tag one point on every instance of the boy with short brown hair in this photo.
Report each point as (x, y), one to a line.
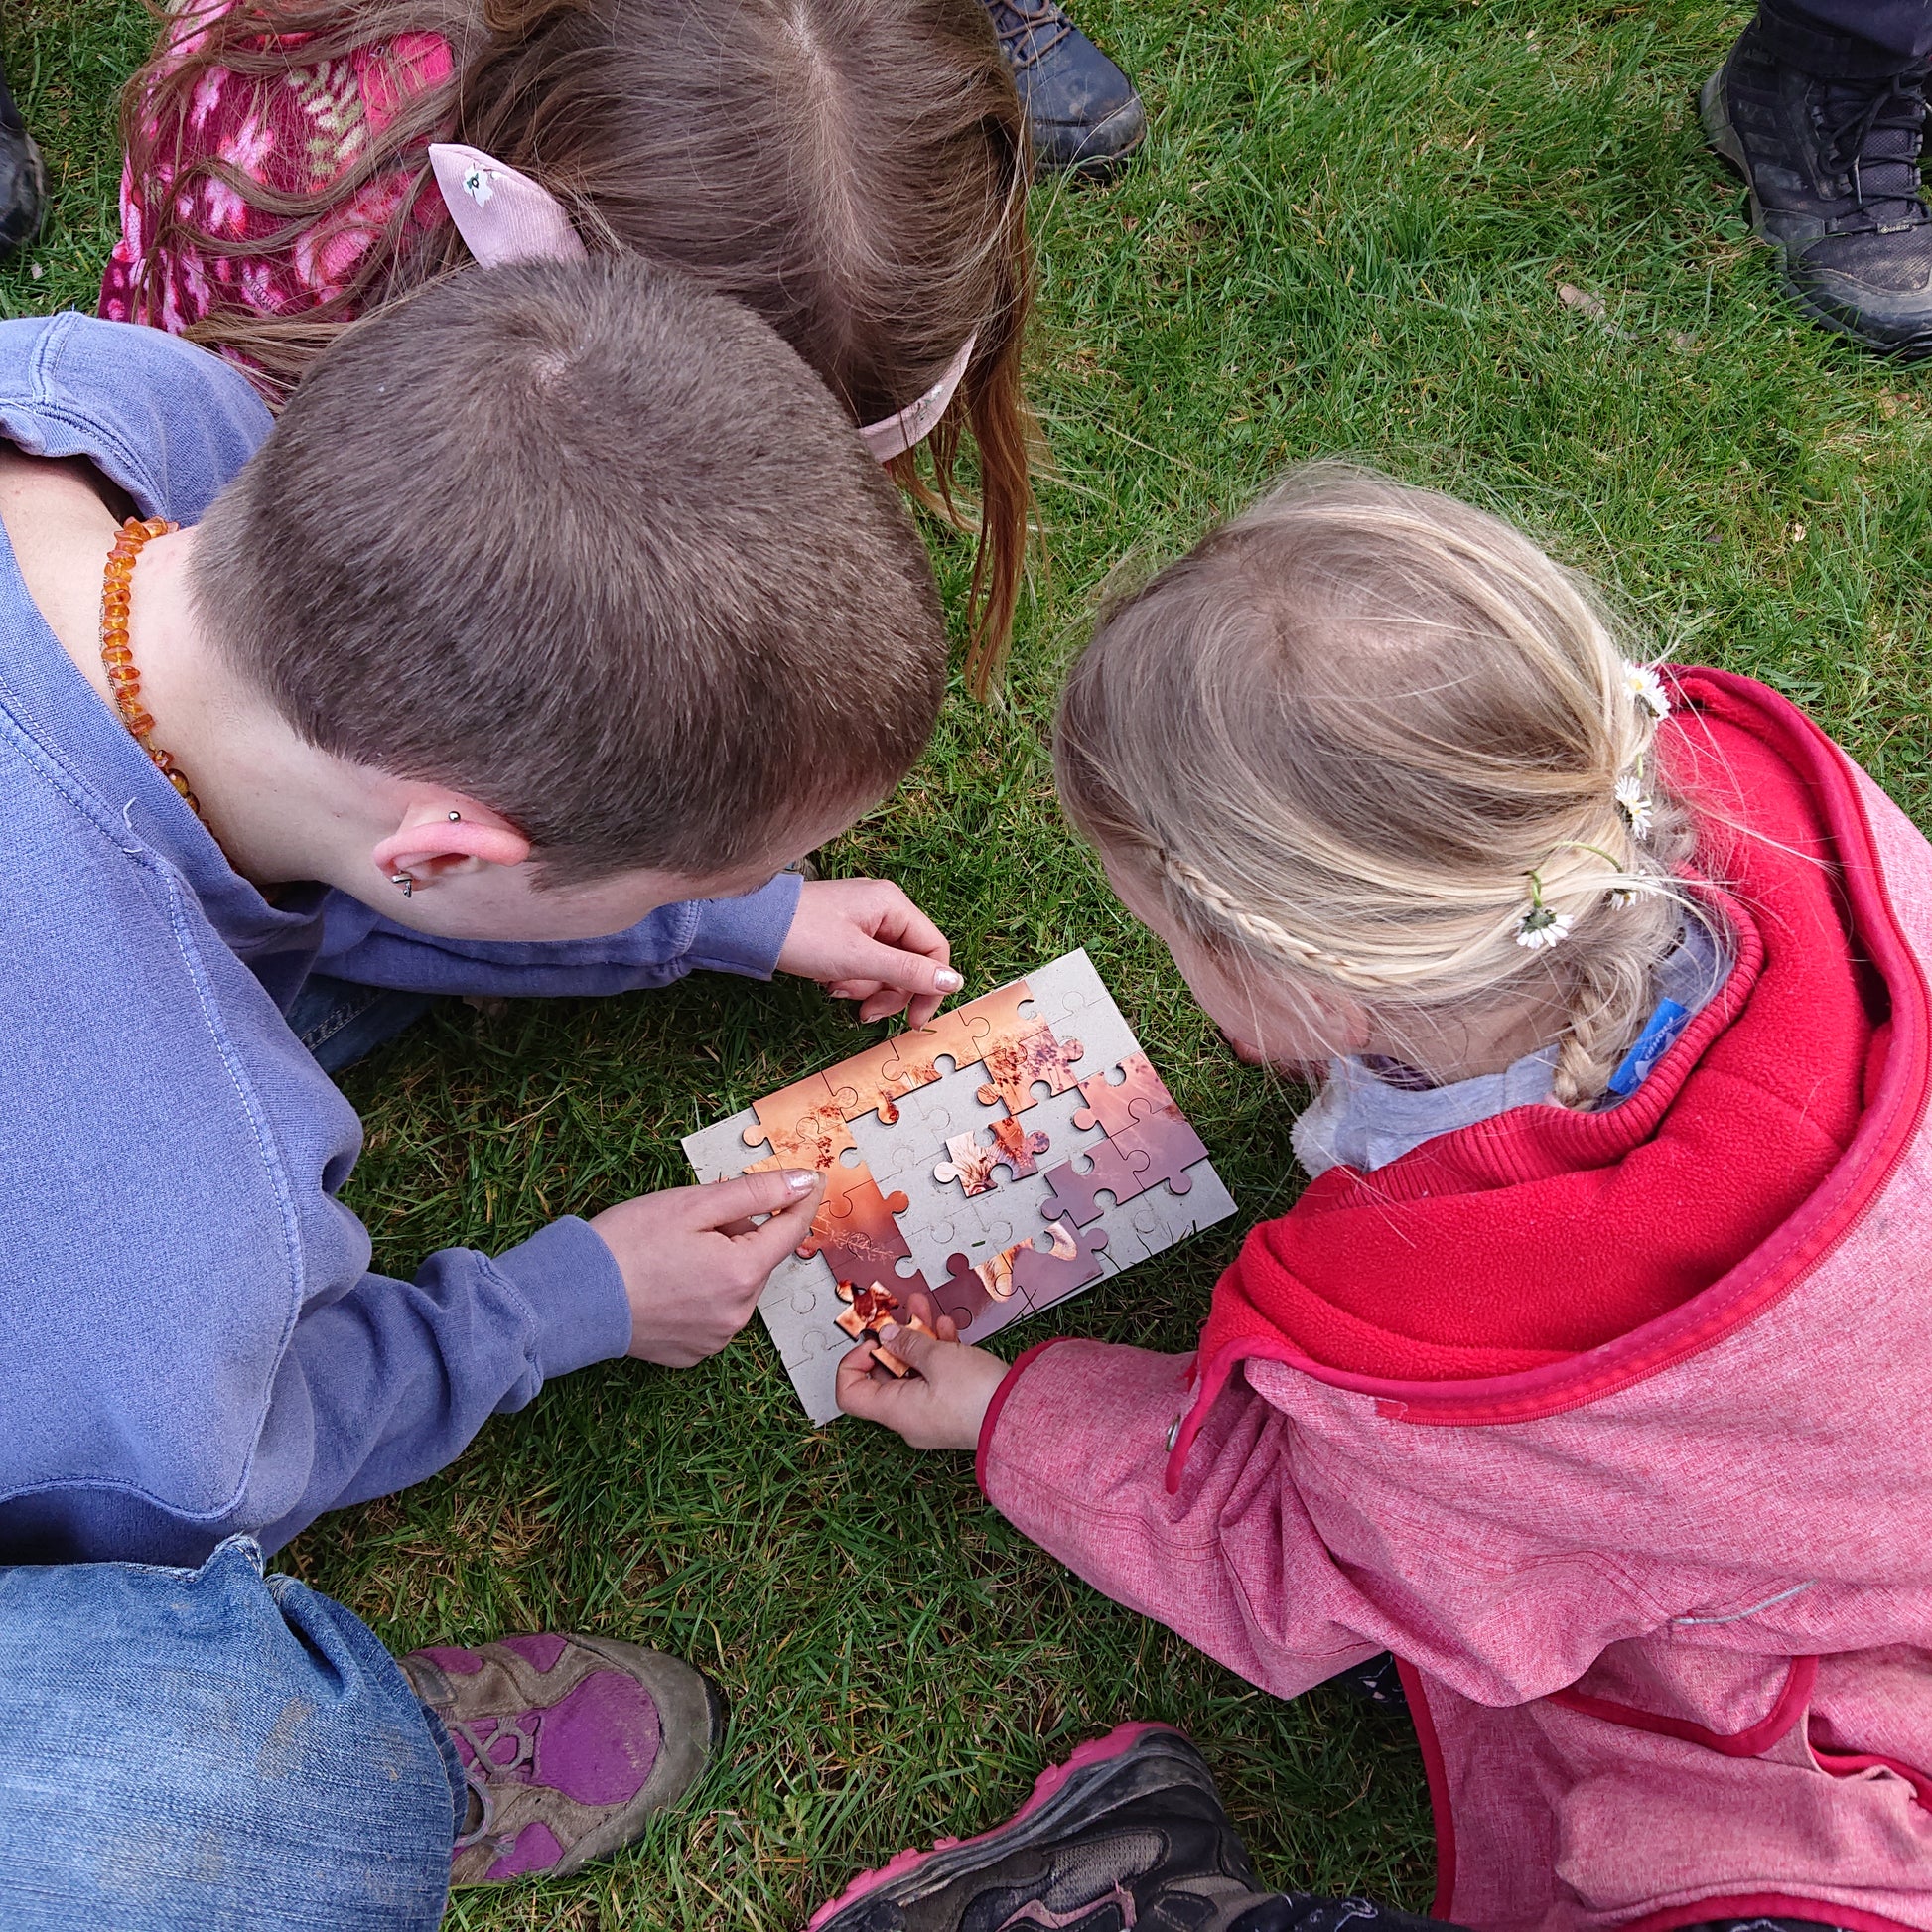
(506, 663)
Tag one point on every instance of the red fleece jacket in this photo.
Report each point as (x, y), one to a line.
(1540, 1233)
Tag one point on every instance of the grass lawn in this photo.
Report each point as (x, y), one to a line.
(1479, 244)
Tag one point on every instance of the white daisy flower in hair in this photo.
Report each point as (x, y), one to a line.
(1634, 805)
(1540, 928)
(1623, 896)
(1646, 688)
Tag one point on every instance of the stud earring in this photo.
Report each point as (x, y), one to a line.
(407, 881)
(455, 816)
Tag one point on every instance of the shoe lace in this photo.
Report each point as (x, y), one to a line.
(1850, 119)
(1035, 1913)
(485, 1770)
(1028, 29)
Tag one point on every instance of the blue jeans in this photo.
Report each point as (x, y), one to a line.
(1853, 39)
(339, 1022)
(208, 1751)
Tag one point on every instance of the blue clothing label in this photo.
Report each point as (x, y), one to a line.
(1659, 1035)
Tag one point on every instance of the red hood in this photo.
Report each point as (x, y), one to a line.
(1540, 1257)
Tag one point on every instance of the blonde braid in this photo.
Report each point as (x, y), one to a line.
(1364, 734)
(1255, 926)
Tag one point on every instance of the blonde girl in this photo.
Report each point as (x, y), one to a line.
(1584, 1373)
(854, 170)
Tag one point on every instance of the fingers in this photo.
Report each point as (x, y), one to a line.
(858, 1394)
(896, 967)
(900, 923)
(764, 1247)
(879, 1398)
(912, 1345)
(721, 1203)
(920, 1307)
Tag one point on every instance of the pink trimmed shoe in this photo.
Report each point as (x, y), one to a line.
(1128, 1833)
(569, 1745)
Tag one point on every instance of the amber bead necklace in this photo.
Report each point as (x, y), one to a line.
(117, 657)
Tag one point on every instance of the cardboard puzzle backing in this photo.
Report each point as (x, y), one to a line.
(1011, 1154)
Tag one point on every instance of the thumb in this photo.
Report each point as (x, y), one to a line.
(913, 1346)
(769, 1190)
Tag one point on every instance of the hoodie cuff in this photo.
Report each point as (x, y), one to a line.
(746, 935)
(997, 1406)
(572, 1283)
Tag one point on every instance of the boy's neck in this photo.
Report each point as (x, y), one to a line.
(262, 791)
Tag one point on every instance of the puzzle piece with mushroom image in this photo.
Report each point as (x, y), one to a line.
(1014, 1152)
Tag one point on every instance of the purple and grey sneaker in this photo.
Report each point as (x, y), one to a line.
(569, 1745)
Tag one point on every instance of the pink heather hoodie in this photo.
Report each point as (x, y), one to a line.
(1663, 1604)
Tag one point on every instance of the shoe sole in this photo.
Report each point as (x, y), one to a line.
(1720, 136)
(678, 1686)
(1056, 1791)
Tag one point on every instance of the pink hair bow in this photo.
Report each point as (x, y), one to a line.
(505, 216)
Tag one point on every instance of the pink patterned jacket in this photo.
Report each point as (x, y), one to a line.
(1665, 1607)
(295, 137)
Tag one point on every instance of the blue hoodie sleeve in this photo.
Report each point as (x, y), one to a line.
(388, 1384)
(726, 935)
(169, 422)
(380, 1388)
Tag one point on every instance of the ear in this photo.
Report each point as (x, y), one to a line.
(443, 832)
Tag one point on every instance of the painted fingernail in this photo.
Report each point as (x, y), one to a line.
(799, 1179)
(947, 981)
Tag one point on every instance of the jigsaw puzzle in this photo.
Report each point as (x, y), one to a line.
(1011, 1154)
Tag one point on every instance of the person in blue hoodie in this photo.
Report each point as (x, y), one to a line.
(560, 610)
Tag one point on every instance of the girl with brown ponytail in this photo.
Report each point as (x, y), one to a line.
(853, 170)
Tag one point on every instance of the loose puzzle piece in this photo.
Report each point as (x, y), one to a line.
(1017, 1063)
(865, 1308)
(1017, 1147)
(1113, 1105)
(969, 1164)
(1112, 1169)
(867, 1311)
(972, 1165)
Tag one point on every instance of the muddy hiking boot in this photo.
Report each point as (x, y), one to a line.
(1082, 110)
(23, 179)
(1833, 168)
(567, 1747)
(1128, 1833)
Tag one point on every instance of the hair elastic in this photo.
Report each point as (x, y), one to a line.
(505, 216)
